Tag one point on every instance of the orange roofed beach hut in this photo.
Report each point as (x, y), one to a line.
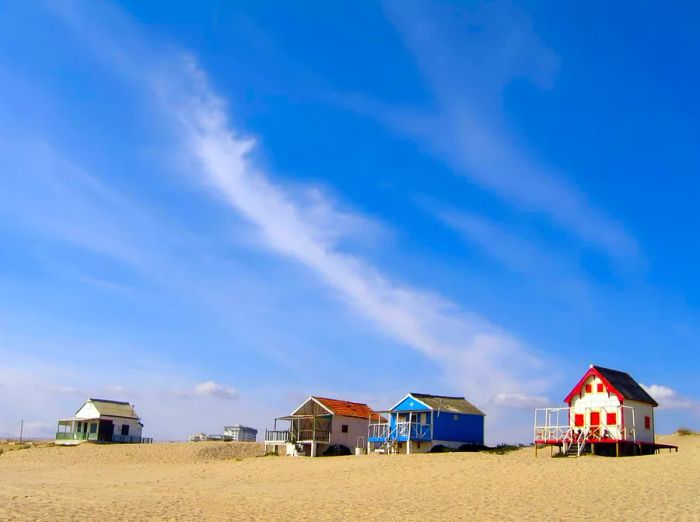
(318, 423)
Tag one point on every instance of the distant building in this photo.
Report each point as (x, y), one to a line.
(101, 420)
(238, 433)
(419, 422)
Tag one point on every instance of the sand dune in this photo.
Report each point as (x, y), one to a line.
(220, 481)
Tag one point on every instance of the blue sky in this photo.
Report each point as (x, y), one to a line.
(214, 210)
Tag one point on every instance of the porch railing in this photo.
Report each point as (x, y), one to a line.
(314, 435)
(131, 439)
(66, 435)
(378, 431)
(557, 425)
(278, 436)
(283, 436)
(400, 431)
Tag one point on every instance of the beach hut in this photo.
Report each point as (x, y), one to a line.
(607, 412)
(101, 420)
(318, 423)
(419, 422)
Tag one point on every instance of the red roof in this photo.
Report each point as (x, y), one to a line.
(347, 408)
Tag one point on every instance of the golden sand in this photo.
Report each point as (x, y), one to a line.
(224, 481)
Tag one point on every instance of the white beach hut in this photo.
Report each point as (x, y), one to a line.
(101, 420)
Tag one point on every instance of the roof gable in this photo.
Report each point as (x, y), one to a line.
(312, 406)
(619, 383)
(110, 408)
(410, 403)
(447, 403)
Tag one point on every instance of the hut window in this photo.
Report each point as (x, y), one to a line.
(455, 417)
(578, 419)
(589, 388)
(647, 422)
(344, 428)
(611, 419)
(599, 388)
(93, 428)
(125, 429)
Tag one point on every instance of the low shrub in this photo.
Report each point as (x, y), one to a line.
(337, 450)
(439, 448)
(502, 449)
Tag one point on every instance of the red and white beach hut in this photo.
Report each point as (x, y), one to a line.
(607, 413)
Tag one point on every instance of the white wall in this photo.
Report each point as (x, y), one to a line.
(602, 402)
(610, 403)
(641, 410)
(357, 427)
(87, 411)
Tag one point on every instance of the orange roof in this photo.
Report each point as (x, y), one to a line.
(347, 408)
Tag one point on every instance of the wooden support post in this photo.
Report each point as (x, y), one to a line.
(535, 450)
(617, 449)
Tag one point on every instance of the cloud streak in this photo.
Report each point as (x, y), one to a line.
(467, 68)
(461, 343)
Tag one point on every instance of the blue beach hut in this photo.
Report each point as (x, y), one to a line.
(420, 421)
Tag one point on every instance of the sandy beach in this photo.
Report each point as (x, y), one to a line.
(220, 481)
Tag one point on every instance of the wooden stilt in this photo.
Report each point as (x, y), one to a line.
(617, 449)
(535, 450)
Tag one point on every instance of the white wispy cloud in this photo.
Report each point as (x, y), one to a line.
(215, 389)
(476, 356)
(460, 342)
(520, 400)
(467, 66)
(670, 398)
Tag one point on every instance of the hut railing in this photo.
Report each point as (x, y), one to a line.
(414, 430)
(69, 435)
(314, 435)
(278, 436)
(378, 431)
(557, 425)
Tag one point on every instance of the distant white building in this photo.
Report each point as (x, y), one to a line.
(238, 433)
(101, 420)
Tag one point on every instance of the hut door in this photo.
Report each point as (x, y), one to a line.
(106, 431)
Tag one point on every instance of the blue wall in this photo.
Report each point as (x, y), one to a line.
(467, 428)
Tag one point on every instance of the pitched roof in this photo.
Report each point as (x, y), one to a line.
(347, 408)
(620, 383)
(626, 385)
(450, 404)
(114, 408)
